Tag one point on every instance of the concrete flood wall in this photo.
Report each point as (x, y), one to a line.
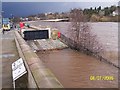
(39, 76)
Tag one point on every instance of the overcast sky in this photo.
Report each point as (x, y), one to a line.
(26, 8)
(60, 0)
(109, 2)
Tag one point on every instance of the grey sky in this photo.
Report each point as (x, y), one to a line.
(60, 0)
(43, 7)
(98, 2)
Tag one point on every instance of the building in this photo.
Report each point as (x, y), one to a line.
(115, 13)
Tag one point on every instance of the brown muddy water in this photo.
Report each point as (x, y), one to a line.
(107, 35)
(74, 69)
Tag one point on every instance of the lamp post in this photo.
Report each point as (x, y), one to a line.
(11, 20)
(0, 20)
(2, 16)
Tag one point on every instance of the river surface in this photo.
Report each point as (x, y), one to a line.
(107, 35)
(73, 69)
(107, 32)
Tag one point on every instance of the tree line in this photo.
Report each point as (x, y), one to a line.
(96, 14)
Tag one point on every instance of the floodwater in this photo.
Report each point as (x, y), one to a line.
(107, 32)
(74, 69)
(107, 35)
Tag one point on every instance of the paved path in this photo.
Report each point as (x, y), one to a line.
(7, 57)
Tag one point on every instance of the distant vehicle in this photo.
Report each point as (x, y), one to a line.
(6, 27)
(6, 24)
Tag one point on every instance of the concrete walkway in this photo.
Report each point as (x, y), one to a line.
(7, 57)
(46, 44)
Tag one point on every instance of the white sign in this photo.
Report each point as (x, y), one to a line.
(18, 69)
(17, 63)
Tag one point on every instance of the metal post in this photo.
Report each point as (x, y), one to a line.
(14, 85)
(2, 16)
(1, 12)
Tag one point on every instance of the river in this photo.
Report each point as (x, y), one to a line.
(74, 69)
(107, 34)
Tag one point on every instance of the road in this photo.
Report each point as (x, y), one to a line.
(7, 57)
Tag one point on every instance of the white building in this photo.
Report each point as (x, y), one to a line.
(115, 13)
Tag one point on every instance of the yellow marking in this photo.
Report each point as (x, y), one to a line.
(107, 78)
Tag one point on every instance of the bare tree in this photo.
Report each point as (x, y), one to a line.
(76, 16)
(81, 34)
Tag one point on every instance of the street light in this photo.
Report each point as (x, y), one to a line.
(0, 20)
(0, 13)
(2, 16)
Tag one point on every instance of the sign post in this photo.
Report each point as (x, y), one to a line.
(18, 71)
